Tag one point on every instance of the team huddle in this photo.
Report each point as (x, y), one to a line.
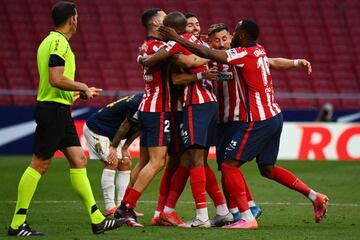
(199, 92)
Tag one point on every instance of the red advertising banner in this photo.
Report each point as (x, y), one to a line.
(299, 141)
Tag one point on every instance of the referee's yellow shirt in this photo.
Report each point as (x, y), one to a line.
(55, 43)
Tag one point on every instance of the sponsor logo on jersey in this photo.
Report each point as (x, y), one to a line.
(225, 76)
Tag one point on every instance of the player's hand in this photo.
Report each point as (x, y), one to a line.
(112, 156)
(76, 96)
(141, 59)
(125, 153)
(168, 33)
(95, 91)
(303, 63)
(211, 74)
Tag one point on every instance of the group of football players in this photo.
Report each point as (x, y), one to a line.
(200, 92)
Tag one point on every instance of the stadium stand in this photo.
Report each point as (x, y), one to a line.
(109, 34)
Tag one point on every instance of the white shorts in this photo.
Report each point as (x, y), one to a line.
(99, 145)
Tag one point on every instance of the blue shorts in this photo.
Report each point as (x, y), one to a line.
(176, 125)
(200, 124)
(155, 129)
(225, 132)
(258, 140)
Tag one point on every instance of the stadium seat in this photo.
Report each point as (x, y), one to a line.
(110, 34)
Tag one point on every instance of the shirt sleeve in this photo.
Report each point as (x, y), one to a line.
(59, 47)
(174, 47)
(56, 61)
(158, 46)
(236, 56)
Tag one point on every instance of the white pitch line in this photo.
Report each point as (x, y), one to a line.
(190, 202)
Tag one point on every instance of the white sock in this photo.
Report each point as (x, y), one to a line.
(108, 188)
(156, 213)
(168, 210)
(234, 210)
(122, 181)
(312, 195)
(222, 210)
(251, 203)
(247, 215)
(202, 214)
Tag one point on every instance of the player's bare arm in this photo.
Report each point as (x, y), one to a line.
(58, 80)
(283, 64)
(157, 57)
(125, 148)
(186, 78)
(189, 61)
(197, 49)
(120, 134)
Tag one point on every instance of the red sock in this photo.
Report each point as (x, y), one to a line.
(177, 185)
(126, 192)
(288, 179)
(198, 186)
(248, 193)
(131, 198)
(164, 190)
(212, 187)
(235, 185)
(231, 203)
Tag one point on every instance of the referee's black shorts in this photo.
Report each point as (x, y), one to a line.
(55, 129)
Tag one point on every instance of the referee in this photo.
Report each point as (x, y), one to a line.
(55, 128)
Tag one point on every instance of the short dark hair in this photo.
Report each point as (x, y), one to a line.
(189, 15)
(175, 20)
(61, 11)
(251, 27)
(148, 15)
(217, 27)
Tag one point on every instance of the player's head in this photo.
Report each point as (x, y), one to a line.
(246, 31)
(219, 36)
(153, 18)
(193, 25)
(176, 20)
(64, 14)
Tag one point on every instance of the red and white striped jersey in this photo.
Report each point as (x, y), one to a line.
(227, 92)
(157, 95)
(197, 92)
(256, 85)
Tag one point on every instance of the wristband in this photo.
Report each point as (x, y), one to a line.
(199, 75)
(296, 62)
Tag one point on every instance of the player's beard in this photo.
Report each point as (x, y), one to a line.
(196, 34)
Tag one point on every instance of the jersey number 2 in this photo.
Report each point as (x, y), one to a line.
(166, 126)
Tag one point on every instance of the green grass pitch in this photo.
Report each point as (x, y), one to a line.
(57, 211)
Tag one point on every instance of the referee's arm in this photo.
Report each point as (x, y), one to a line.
(58, 80)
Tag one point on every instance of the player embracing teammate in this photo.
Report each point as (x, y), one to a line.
(259, 135)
